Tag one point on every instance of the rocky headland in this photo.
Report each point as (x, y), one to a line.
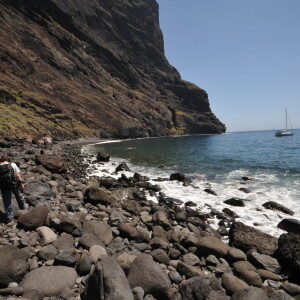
(87, 237)
(93, 68)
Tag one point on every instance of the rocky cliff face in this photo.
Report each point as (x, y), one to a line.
(95, 67)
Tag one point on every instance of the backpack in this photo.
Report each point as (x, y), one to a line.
(7, 175)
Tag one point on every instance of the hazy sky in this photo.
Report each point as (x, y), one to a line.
(245, 54)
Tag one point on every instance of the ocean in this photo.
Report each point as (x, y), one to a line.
(219, 162)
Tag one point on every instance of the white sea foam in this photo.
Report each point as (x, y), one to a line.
(253, 214)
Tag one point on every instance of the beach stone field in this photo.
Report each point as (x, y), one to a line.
(88, 237)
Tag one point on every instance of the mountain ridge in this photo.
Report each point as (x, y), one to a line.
(72, 68)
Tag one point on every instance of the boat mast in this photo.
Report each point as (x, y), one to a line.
(286, 119)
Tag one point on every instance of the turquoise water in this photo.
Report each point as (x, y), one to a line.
(219, 162)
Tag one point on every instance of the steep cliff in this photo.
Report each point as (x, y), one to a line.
(96, 67)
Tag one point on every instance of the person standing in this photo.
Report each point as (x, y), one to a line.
(11, 182)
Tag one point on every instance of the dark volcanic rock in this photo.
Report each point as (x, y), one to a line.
(122, 167)
(276, 206)
(290, 225)
(179, 177)
(289, 251)
(13, 265)
(107, 69)
(200, 287)
(51, 163)
(146, 273)
(107, 281)
(235, 202)
(103, 156)
(245, 238)
(33, 219)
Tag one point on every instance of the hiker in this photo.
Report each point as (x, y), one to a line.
(11, 182)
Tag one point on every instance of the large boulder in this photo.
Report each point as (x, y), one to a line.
(289, 252)
(251, 293)
(13, 265)
(245, 238)
(50, 281)
(290, 225)
(100, 229)
(107, 281)
(148, 274)
(212, 245)
(97, 195)
(272, 205)
(160, 218)
(199, 288)
(33, 219)
(51, 163)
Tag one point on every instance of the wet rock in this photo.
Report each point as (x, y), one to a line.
(107, 281)
(288, 252)
(250, 294)
(51, 163)
(47, 236)
(200, 287)
(101, 229)
(246, 178)
(264, 261)
(13, 265)
(245, 238)
(33, 219)
(50, 281)
(210, 191)
(290, 225)
(179, 177)
(235, 202)
(103, 196)
(103, 156)
(230, 213)
(276, 206)
(244, 190)
(122, 167)
(146, 273)
(232, 283)
(212, 245)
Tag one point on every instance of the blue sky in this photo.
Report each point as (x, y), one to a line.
(245, 54)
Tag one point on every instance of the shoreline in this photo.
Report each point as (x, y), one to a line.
(106, 229)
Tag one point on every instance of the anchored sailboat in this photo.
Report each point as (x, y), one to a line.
(285, 132)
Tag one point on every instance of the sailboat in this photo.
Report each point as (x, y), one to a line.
(285, 132)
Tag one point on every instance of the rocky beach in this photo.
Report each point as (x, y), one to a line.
(91, 237)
